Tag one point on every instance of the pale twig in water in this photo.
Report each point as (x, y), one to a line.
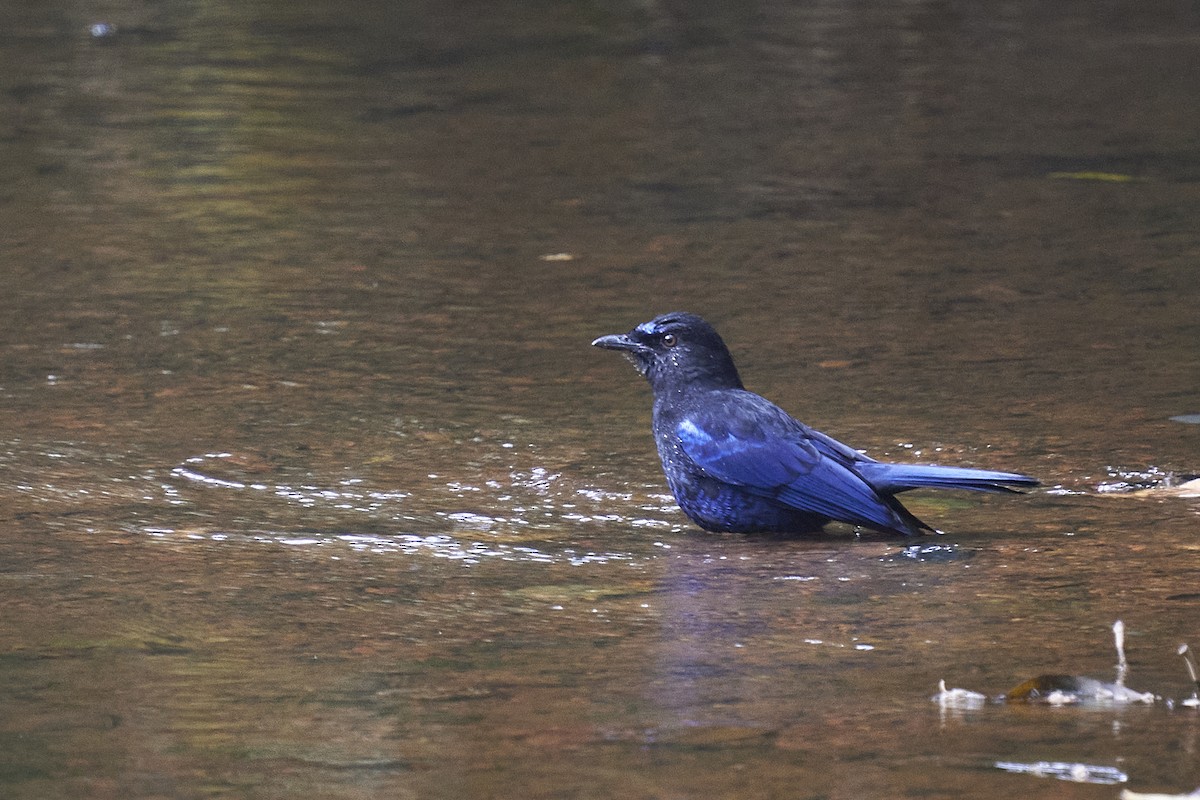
(1190, 663)
(1122, 665)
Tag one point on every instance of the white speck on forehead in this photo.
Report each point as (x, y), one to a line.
(646, 327)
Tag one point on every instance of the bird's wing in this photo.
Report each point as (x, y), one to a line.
(840, 452)
(748, 441)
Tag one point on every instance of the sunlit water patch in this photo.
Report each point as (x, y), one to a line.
(348, 494)
(529, 499)
(1150, 482)
(1122, 479)
(940, 553)
(465, 550)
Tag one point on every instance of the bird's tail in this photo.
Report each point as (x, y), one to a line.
(894, 478)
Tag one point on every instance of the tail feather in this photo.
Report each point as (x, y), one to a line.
(895, 478)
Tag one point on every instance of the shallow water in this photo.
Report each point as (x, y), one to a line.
(311, 486)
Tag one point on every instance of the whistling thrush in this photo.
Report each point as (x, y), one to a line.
(737, 462)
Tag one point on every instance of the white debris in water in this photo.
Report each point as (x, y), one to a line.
(208, 480)
(1126, 794)
(1066, 771)
(1060, 698)
(957, 698)
(468, 519)
(649, 523)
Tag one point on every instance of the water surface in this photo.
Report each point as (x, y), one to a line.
(311, 486)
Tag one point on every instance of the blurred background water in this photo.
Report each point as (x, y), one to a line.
(310, 484)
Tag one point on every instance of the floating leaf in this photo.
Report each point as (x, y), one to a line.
(1042, 688)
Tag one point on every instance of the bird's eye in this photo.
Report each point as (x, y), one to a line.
(669, 340)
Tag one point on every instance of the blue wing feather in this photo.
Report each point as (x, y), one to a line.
(749, 442)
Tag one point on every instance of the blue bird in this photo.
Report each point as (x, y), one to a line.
(738, 462)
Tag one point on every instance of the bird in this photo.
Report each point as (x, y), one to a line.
(736, 462)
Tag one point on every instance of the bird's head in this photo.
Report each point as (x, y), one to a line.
(676, 351)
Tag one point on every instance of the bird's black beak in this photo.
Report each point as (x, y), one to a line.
(640, 355)
(618, 341)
